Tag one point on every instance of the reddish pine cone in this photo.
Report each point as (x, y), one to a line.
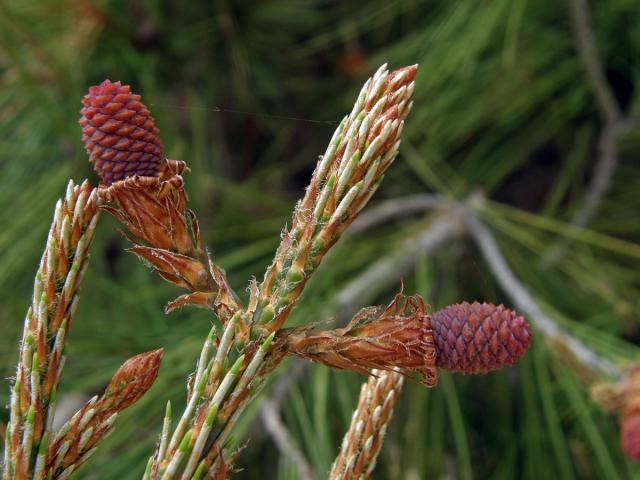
(478, 337)
(630, 436)
(119, 133)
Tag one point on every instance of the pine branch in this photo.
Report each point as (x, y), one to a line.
(614, 125)
(47, 323)
(153, 209)
(361, 444)
(588, 49)
(270, 414)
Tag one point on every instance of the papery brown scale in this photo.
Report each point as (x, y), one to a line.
(63, 261)
(25, 393)
(15, 439)
(182, 270)
(76, 233)
(20, 472)
(156, 232)
(136, 198)
(41, 346)
(179, 230)
(50, 288)
(201, 299)
(50, 376)
(59, 313)
(146, 213)
(124, 220)
(195, 229)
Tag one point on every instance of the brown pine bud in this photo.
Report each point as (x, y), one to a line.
(81, 434)
(119, 133)
(478, 337)
(132, 380)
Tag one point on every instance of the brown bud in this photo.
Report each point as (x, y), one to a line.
(119, 133)
(479, 337)
(175, 268)
(94, 421)
(132, 380)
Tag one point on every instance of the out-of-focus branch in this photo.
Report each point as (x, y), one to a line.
(270, 413)
(524, 300)
(614, 123)
(394, 209)
(391, 268)
(587, 48)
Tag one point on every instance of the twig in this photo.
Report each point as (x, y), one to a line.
(393, 266)
(270, 414)
(362, 442)
(395, 209)
(525, 302)
(614, 124)
(588, 50)
(48, 320)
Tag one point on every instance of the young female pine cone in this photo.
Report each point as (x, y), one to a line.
(478, 337)
(119, 133)
(467, 338)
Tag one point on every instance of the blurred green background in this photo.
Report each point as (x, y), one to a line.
(248, 94)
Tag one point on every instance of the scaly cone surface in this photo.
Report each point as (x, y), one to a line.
(478, 337)
(119, 133)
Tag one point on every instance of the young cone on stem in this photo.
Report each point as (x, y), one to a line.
(467, 338)
(119, 133)
(145, 192)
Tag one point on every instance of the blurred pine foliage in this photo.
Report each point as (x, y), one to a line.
(248, 94)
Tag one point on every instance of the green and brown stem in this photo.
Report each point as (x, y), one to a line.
(165, 235)
(361, 444)
(53, 306)
(362, 148)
